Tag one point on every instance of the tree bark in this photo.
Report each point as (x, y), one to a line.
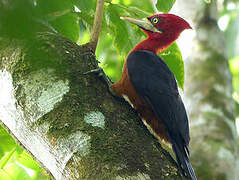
(69, 121)
(208, 95)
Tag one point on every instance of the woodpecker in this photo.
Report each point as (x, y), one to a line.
(151, 88)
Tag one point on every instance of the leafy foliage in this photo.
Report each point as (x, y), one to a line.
(173, 58)
(237, 108)
(85, 6)
(17, 19)
(16, 163)
(70, 28)
(234, 66)
(164, 6)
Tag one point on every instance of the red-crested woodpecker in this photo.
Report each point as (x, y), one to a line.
(151, 87)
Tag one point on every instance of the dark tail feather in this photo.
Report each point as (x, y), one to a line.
(183, 162)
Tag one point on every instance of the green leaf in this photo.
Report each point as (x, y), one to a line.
(173, 58)
(26, 160)
(86, 18)
(4, 175)
(67, 25)
(165, 5)
(124, 35)
(234, 67)
(119, 30)
(13, 171)
(85, 5)
(17, 19)
(133, 11)
(47, 7)
(7, 142)
(146, 6)
(59, 14)
(237, 108)
(54, 15)
(6, 158)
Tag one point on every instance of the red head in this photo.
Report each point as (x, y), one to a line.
(162, 30)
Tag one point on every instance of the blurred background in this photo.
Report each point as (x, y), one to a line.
(205, 62)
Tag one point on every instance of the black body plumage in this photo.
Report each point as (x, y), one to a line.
(156, 85)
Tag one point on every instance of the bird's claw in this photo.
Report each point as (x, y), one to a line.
(96, 71)
(100, 72)
(87, 53)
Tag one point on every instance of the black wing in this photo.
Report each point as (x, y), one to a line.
(156, 85)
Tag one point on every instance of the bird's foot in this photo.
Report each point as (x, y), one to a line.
(100, 72)
(87, 53)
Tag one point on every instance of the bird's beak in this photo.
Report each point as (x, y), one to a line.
(142, 23)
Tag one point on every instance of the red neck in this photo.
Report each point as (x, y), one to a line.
(154, 45)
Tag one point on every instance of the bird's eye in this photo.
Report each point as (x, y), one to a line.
(155, 20)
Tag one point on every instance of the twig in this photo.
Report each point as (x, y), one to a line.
(97, 25)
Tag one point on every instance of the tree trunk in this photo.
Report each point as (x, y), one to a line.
(208, 95)
(69, 121)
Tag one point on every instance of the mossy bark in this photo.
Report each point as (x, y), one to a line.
(208, 95)
(69, 121)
